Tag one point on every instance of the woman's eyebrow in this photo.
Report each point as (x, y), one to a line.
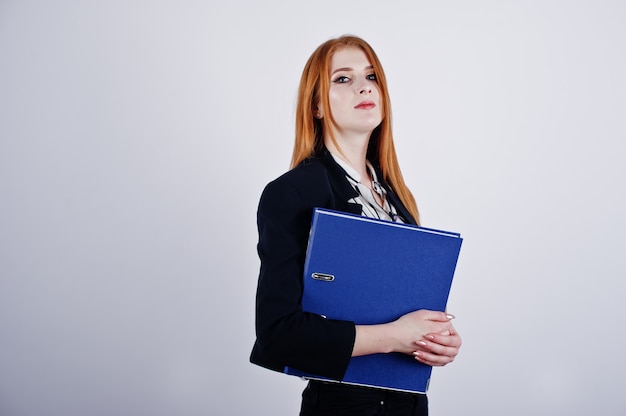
(347, 69)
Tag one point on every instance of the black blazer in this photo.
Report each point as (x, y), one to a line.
(287, 336)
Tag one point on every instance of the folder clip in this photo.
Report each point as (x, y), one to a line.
(323, 276)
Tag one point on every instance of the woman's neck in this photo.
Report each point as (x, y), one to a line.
(353, 152)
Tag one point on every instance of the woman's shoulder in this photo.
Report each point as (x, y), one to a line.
(307, 182)
(310, 173)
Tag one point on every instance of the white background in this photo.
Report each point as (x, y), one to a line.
(136, 137)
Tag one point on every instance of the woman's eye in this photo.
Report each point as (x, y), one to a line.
(371, 77)
(342, 80)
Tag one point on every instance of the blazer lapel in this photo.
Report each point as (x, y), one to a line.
(340, 185)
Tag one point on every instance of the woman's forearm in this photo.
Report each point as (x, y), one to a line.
(407, 334)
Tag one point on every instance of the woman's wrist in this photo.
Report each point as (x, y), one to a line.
(375, 339)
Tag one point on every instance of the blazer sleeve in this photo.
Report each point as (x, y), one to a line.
(287, 336)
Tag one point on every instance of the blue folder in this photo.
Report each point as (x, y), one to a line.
(372, 271)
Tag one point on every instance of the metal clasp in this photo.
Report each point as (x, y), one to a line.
(323, 277)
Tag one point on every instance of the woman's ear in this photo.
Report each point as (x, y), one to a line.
(317, 112)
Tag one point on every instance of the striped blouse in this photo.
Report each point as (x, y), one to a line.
(371, 207)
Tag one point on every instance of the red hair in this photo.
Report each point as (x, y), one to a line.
(314, 87)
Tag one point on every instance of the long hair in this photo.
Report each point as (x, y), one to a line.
(314, 88)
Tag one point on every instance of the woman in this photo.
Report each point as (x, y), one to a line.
(343, 159)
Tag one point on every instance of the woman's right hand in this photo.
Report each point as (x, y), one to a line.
(408, 334)
(410, 329)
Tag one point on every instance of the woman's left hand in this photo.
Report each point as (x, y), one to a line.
(438, 349)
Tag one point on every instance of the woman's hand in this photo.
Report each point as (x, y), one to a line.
(429, 336)
(438, 348)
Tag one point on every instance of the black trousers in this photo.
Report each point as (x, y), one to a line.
(335, 399)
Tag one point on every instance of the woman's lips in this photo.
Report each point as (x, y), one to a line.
(365, 105)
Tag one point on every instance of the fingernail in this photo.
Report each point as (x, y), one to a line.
(417, 354)
(422, 343)
(430, 337)
(449, 316)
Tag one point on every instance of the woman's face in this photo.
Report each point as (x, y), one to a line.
(353, 95)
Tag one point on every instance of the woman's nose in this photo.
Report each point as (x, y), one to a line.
(364, 88)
